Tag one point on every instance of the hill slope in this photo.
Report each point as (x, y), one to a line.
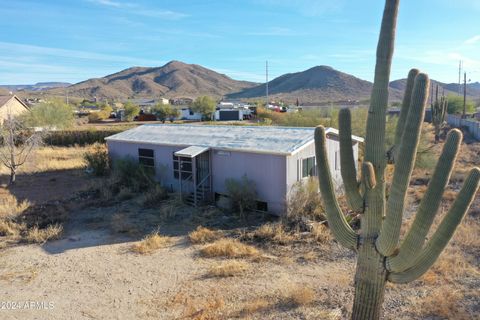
(473, 89)
(317, 84)
(173, 80)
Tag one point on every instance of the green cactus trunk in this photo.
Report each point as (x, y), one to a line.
(380, 257)
(370, 281)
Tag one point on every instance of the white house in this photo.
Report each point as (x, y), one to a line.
(197, 159)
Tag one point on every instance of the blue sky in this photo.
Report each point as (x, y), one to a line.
(76, 40)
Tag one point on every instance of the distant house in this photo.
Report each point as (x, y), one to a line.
(189, 114)
(195, 160)
(11, 105)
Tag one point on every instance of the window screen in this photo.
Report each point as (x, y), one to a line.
(308, 167)
(146, 157)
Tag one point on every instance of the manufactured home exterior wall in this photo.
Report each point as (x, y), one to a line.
(163, 156)
(266, 170)
(294, 162)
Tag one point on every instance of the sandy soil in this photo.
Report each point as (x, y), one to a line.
(93, 275)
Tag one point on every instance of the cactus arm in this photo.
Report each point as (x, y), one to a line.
(341, 230)
(415, 238)
(444, 233)
(347, 161)
(387, 241)
(404, 110)
(375, 133)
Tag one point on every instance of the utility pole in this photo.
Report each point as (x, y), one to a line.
(266, 82)
(464, 94)
(459, 76)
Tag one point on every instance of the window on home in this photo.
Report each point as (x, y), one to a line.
(308, 167)
(146, 157)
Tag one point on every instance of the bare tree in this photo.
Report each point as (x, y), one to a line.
(16, 145)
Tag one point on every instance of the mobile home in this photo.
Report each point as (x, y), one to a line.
(197, 159)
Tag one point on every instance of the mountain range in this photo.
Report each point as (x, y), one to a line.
(39, 86)
(320, 84)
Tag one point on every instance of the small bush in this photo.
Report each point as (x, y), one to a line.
(97, 160)
(67, 138)
(228, 269)
(151, 243)
(203, 235)
(36, 235)
(130, 174)
(242, 194)
(154, 196)
(305, 202)
(229, 248)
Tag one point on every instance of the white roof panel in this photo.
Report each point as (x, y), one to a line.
(191, 152)
(258, 139)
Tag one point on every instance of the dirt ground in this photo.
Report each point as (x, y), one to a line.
(92, 273)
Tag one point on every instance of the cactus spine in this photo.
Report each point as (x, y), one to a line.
(380, 258)
(439, 110)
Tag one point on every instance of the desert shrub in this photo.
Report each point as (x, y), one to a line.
(304, 202)
(97, 160)
(203, 235)
(37, 235)
(128, 173)
(131, 111)
(228, 248)
(154, 196)
(67, 138)
(228, 269)
(50, 114)
(151, 243)
(165, 112)
(242, 194)
(94, 117)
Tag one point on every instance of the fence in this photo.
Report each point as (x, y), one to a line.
(471, 125)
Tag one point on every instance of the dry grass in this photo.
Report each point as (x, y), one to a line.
(203, 235)
(229, 248)
(297, 296)
(443, 302)
(10, 206)
(9, 228)
(228, 269)
(53, 159)
(36, 235)
(256, 305)
(150, 243)
(274, 232)
(321, 233)
(204, 310)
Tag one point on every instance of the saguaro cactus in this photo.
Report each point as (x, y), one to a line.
(380, 257)
(439, 110)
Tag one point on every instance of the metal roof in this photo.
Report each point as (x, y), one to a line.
(257, 139)
(191, 152)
